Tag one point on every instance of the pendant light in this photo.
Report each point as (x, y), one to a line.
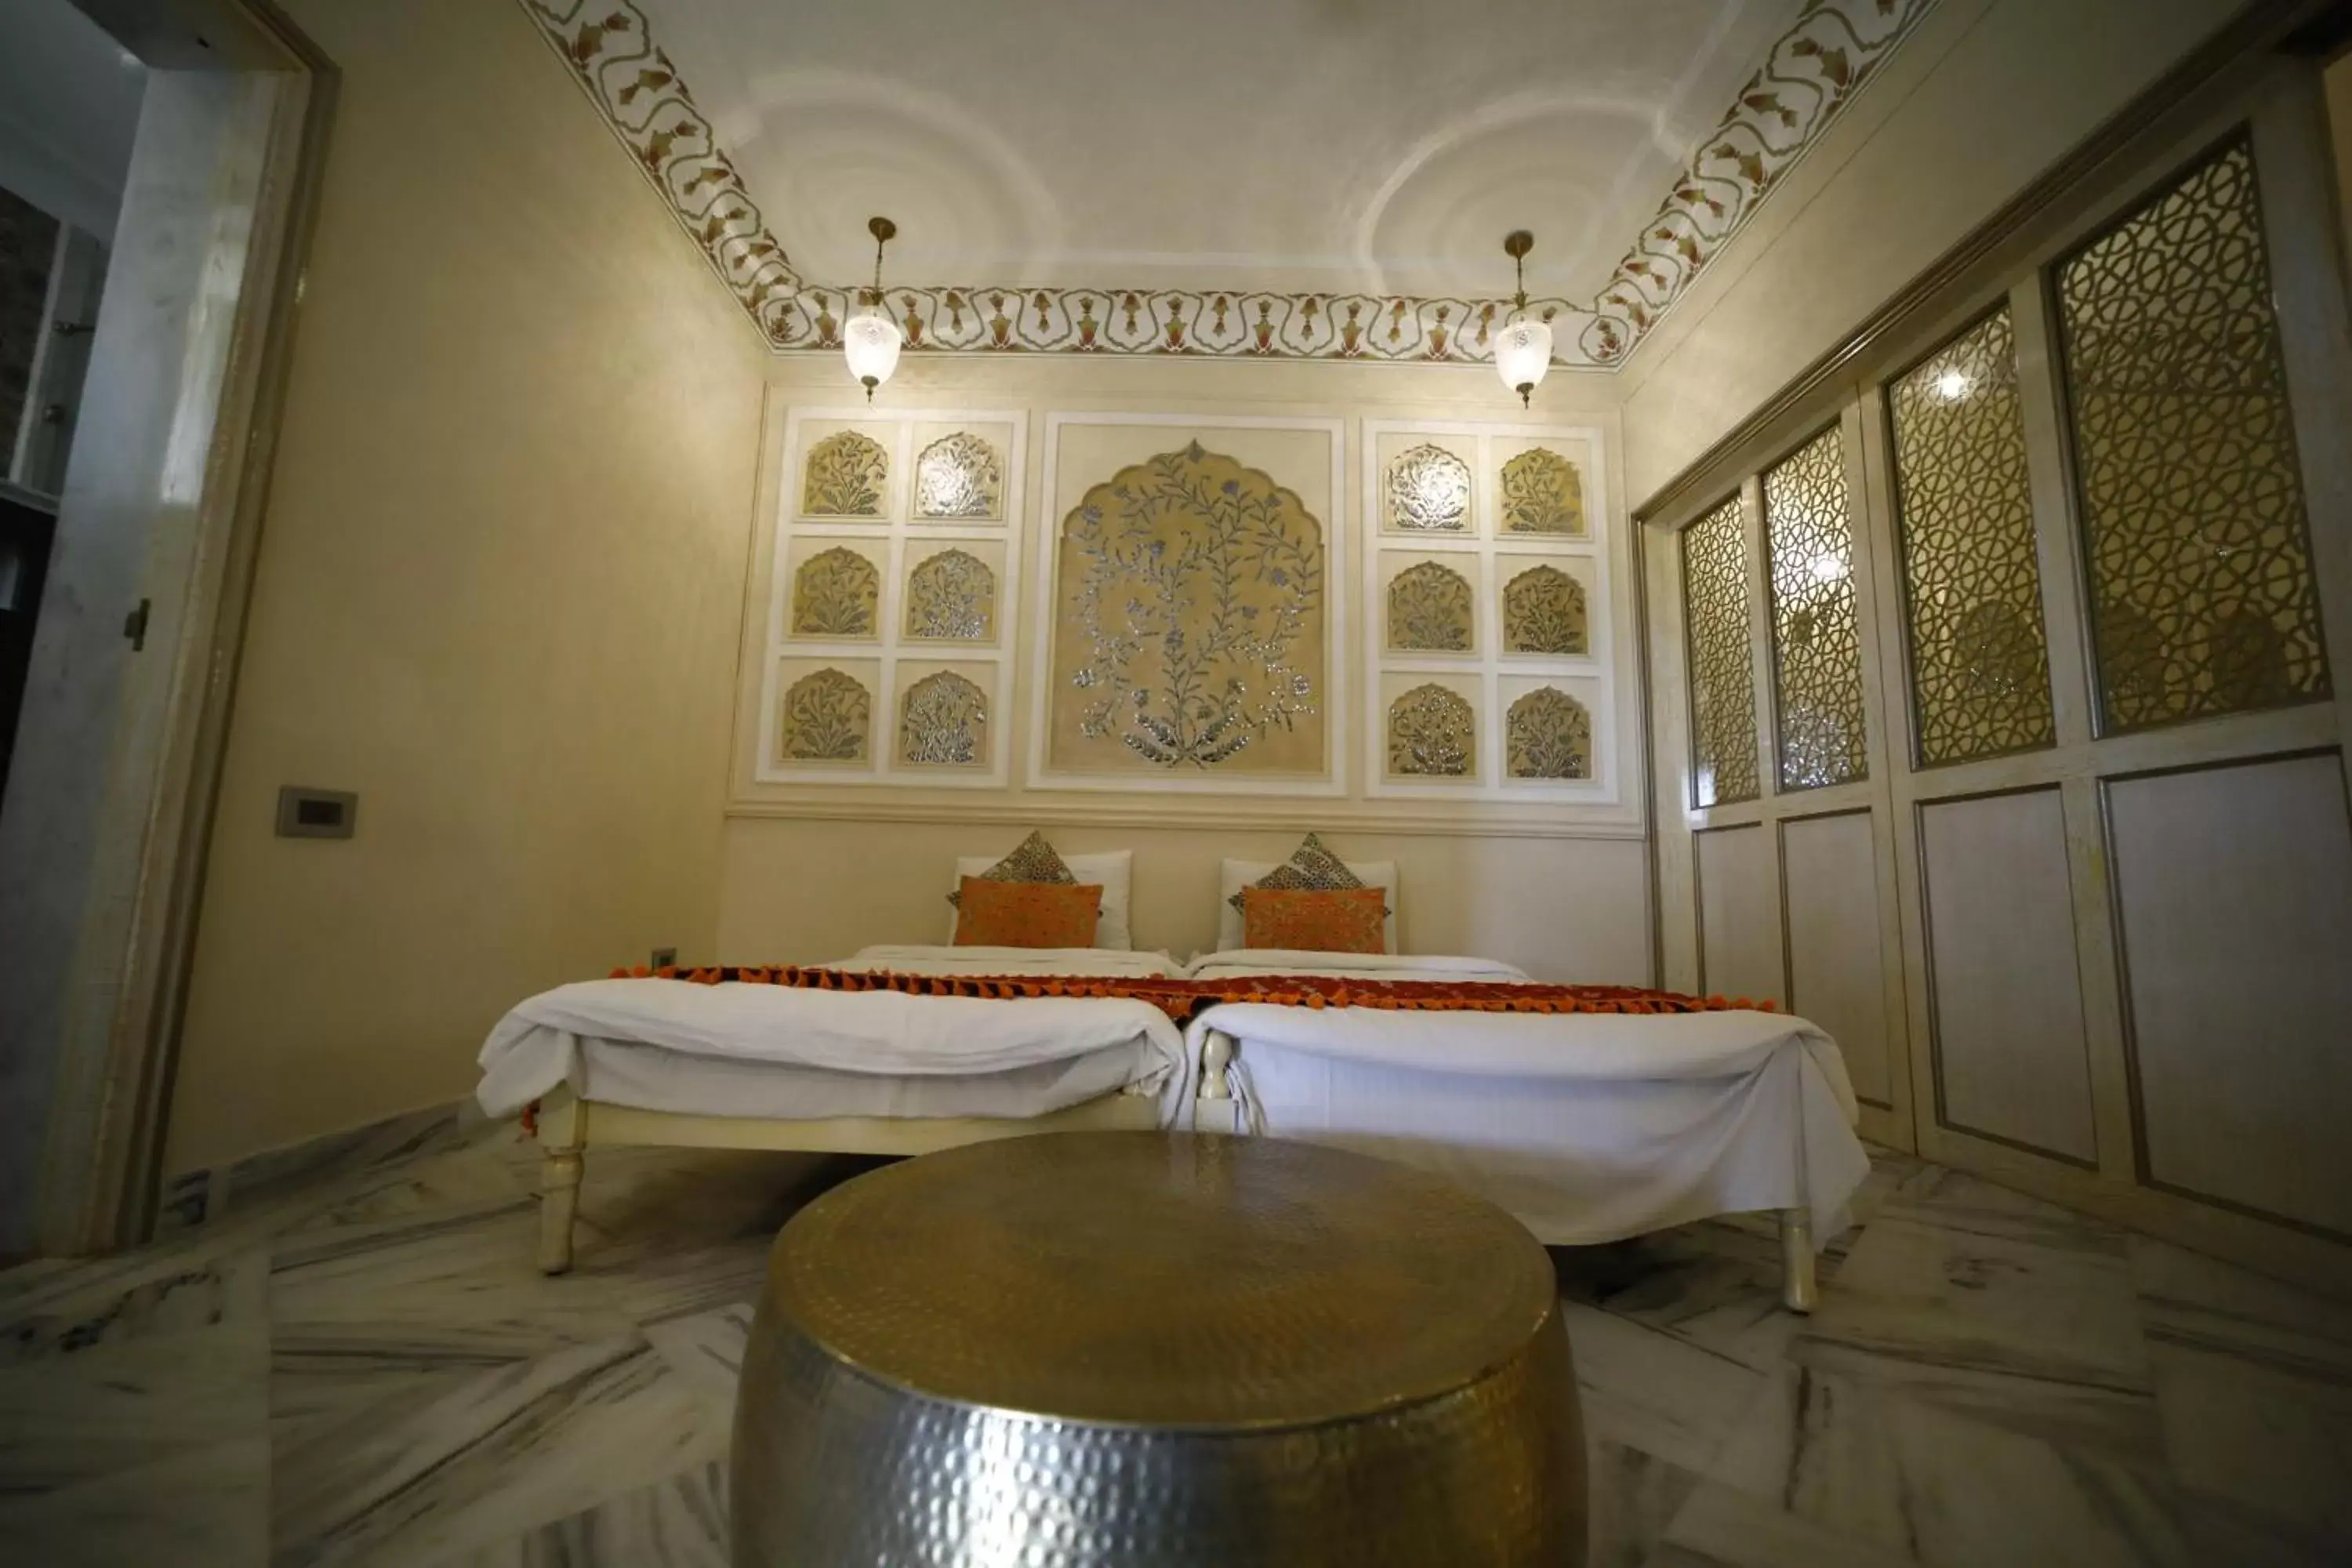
(870, 339)
(1523, 346)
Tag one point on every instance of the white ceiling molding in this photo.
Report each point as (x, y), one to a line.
(1807, 77)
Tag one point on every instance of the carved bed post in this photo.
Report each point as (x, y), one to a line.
(1800, 1287)
(560, 1140)
(1216, 1095)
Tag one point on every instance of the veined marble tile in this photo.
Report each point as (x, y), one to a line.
(460, 1177)
(310, 1175)
(1919, 1481)
(77, 1306)
(207, 1505)
(2223, 1532)
(1633, 1497)
(1715, 1285)
(74, 1419)
(682, 1522)
(706, 1351)
(508, 1451)
(1723, 1527)
(2200, 1303)
(1650, 1391)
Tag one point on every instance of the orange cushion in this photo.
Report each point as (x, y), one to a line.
(1026, 914)
(1315, 920)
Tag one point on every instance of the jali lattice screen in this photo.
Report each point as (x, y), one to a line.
(1816, 627)
(1722, 675)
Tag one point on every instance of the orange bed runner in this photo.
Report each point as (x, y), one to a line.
(1180, 999)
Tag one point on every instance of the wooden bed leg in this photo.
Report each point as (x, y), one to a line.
(1800, 1289)
(1216, 1096)
(560, 1138)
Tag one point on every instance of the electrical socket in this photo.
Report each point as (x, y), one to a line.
(663, 956)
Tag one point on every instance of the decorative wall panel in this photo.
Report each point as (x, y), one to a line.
(1433, 733)
(1427, 491)
(1192, 612)
(1829, 887)
(1542, 493)
(1739, 950)
(1549, 735)
(2195, 535)
(1972, 584)
(1722, 668)
(847, 475)
(864, 583)
(951, 596)
(960, 477)
(1543, 612)
(1816, 627)
(1430, 610)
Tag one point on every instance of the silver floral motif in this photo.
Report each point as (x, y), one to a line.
(847, 473)
(959, 476)
(1543, 612)
(835, 595)
(943, 723)
(1432, 734)
(1542, 493)
(1429, 490)
(1547, 735)
(951, 595)
(1429, 610)
(826, 719)
(1196, 583)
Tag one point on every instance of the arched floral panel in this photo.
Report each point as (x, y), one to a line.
(943, 723)
(847, 475)
(1542, 493)
(951, 596)
(1543, 612)
(1433, 733)
(835, 594)
(1429, 610)
(1428, 490)
(1548, 734)
(826, 719)
(960, 476)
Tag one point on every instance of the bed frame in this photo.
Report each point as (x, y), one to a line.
(1801, 1292)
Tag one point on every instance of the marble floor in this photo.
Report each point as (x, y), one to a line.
(342, 1355)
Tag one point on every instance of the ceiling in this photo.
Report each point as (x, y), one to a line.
(68, 108)
(1360, 146)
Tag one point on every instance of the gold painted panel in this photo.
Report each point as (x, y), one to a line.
(1189, 623)
(1428, 490)
(1816, 623)
(1433, 733)
(1430, 610)
(951, 596)
(960, 477)
(1972, 584)
(943, 723)
(1543, 612)
(825, 718)
(835, 594)
(1542, 493)
(1548, 734)
(847, 475)
(2195, 534)
(1722, 674)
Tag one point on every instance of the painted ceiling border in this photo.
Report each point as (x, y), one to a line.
(1810, 74)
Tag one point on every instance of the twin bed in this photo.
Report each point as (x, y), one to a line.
(1588, 1127)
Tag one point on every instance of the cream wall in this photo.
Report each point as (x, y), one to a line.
(497, 596)
(1982, 99)
(815, 871)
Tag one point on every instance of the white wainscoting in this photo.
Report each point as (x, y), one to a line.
(2233, 890)
(2010, 1044)
(1829, 879)
(1738, 914)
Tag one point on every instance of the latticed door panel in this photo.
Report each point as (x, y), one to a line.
(1722, 674)
(2195, 539)
(1979, 655)
(1816, 622)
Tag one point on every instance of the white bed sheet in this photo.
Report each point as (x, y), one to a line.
(793, 1052)
(1588, 1127)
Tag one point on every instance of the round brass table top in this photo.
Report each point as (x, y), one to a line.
(1162, 1279)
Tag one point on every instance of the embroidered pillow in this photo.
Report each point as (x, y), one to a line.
(1026, 914)
(1310, 866)
(1033, 860)
(1315, 920)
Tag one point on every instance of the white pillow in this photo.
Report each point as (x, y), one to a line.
(1233, 876)
(1109, 871)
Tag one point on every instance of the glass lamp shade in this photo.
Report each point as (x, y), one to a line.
(1523, 356)
(870, 342)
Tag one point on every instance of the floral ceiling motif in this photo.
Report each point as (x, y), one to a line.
(1809, 76)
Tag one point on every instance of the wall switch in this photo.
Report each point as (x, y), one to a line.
(664, 956)
(316, 813)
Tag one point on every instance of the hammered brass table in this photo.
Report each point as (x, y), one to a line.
(1160, 1351)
